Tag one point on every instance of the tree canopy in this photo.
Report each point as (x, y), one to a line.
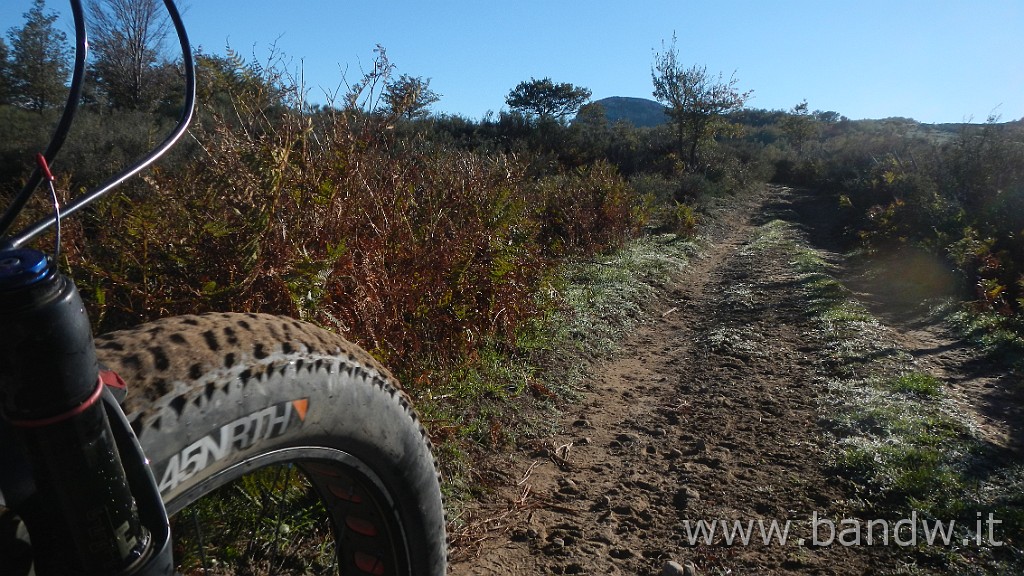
(546, 99)
(5, 82)
(127, 38)
(38, 67)
(697, 100)
(409, 96)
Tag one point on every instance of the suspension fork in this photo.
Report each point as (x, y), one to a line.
(82, 459)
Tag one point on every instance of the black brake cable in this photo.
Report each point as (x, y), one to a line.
(80, 202)
(63, 127)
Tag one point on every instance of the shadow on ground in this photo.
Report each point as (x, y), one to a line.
(902, 285)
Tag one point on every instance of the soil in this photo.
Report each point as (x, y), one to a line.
(712, 411)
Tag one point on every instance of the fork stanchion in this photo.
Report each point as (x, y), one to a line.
(82, 516)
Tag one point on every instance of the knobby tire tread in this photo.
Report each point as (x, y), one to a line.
(208, 394)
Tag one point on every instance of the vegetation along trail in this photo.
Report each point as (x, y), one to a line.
(727, 435)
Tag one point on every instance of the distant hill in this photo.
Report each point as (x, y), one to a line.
(640, 112)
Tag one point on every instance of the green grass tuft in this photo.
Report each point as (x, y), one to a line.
(918, 383)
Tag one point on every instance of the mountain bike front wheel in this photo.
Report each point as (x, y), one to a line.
(280, 448)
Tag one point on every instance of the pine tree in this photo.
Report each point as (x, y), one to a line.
(5, 73)
(39, 61)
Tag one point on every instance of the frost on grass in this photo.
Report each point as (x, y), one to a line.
(740, 295)
(900, 444)
(735, 342)
(606, 295)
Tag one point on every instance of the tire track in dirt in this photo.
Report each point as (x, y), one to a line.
(710, 413)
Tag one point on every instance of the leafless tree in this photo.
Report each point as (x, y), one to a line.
(127, 38)
(697, 100)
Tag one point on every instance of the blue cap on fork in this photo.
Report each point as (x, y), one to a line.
(21, 268)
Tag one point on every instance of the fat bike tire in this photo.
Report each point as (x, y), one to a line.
(215, 398)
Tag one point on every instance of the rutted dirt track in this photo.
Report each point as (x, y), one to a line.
(711, 412)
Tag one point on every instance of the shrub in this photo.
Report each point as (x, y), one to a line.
(586, 210)
(961, 195)
(419, 252)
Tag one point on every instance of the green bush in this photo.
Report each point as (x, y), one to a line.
(959, 195)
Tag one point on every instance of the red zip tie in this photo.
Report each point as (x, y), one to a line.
(45, 167)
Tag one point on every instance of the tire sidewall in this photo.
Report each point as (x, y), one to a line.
(204, 428)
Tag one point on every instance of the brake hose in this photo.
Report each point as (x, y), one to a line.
(80, 202)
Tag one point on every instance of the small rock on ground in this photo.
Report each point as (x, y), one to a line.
(673, 568)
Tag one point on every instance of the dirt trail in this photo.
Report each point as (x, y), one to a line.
(893, 286)
(710, 413)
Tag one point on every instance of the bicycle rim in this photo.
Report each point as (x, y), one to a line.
(307, 510)
(217, 399)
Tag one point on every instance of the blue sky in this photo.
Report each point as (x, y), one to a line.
(934, 61)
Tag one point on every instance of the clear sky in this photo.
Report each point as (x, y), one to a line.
(931, 60)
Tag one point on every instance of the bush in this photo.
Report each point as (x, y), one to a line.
(22, 135)
(961, 196)
(586, 210)
(419, 252)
